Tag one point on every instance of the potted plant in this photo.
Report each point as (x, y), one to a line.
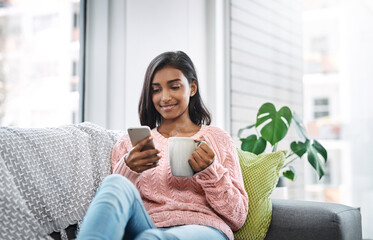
(271, 127)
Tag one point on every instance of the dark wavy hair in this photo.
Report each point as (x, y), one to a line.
(197, 110)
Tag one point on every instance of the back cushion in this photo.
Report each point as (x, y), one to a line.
(260, 174)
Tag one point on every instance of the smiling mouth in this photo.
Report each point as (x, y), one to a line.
(168, 107)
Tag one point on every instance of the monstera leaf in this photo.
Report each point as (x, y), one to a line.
(298, 148)
(253, 144)
(316, 154)
(290, 173)
(275, 124)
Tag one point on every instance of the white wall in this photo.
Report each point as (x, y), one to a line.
(156, 27)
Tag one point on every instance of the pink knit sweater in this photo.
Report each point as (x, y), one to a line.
(214, 196)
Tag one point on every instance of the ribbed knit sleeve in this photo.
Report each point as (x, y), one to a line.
(222, 180)
(118, 165)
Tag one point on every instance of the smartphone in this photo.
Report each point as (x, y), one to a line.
(137, 134)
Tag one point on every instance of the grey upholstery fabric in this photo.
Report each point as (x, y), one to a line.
(305, 220)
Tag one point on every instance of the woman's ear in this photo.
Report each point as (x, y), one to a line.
(193, 88)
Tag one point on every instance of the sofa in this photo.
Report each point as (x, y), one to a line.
(49, 175)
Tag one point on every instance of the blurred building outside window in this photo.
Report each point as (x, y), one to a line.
(320, 89)
(39, 55)
(337, 39)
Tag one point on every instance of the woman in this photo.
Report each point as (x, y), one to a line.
(209, 205)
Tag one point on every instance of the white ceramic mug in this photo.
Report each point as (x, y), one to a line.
(179, 151)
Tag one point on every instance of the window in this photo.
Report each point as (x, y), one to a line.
(329, 187)
(321, 107)
(320, 45)
(39, 56)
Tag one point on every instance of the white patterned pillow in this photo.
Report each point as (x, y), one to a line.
(17, 221)
(57, 170)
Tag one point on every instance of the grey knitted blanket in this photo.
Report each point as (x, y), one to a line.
(48, 177)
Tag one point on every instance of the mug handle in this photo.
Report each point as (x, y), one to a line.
(199, 143)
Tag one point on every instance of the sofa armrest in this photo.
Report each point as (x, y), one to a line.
(293, 219)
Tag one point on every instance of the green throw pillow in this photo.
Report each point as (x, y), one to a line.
(260, 174)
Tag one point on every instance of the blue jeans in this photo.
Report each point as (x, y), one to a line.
(117, 210)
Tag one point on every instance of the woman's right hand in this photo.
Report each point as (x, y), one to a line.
(138, 160)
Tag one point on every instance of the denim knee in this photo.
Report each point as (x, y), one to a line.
(115, 179)
(115, 189)
(118, 181)
(155, 234)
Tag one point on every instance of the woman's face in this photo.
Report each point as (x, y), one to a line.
(171, 92)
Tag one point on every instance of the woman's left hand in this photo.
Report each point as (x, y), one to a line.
(202, 157)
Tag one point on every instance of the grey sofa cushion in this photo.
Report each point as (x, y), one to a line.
(305, 220)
